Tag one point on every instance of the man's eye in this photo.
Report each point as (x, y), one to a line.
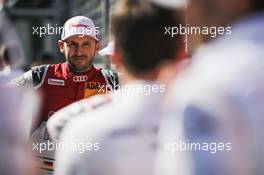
(86, 45)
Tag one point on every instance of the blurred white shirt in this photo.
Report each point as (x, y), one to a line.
(18, 107)
(121, 136)
(219, 99)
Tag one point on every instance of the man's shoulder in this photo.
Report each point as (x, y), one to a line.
(38, 74)
(86, 128)
(104, 116)
(84, 106)
(228, 66)
(57, 66)
(112, 78)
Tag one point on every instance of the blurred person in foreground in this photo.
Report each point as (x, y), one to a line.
(64, 83)
(59, 119)
(17, 114)
(214, 123)
(16, 109)
(121, 137)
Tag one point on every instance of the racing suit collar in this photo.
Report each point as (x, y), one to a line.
(67, 69)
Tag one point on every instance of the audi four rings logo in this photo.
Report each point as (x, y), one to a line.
(80, 78)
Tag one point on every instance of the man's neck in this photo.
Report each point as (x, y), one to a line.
(73, 69)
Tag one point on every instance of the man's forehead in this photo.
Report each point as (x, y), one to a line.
(80, 38)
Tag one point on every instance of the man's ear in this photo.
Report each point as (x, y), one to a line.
(61, 46)
(97, 46)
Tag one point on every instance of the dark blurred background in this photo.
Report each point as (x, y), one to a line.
(28, 14)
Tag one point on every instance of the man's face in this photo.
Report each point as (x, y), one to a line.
(79, 51)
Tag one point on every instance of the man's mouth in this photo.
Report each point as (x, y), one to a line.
(80, 57)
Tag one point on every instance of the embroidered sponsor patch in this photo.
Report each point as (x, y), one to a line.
(93, 88)
(56, 82)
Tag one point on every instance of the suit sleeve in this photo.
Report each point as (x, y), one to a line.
(112, 78)
(34, 77)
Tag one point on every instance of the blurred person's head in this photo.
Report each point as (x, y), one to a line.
(9, 38)
(215, 13)
(9, 54)
(140, 43)
(79, 43)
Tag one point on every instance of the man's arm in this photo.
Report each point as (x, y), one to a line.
(21, 81)
(34, 77)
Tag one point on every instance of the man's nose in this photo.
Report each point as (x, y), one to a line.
(78, 49)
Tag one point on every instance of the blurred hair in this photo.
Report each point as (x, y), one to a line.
(10, 53)
(258, 5)
(139, 31)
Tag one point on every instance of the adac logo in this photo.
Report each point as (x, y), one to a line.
(94, 86)
(82, 78)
